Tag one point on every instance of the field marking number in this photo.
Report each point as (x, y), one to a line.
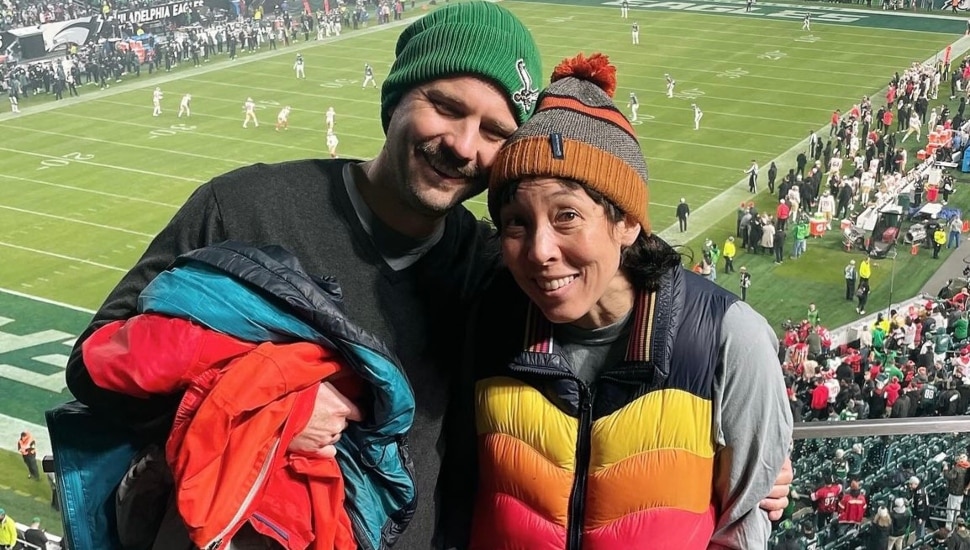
(64, 160)
(339, 83)
(731, 73)
(170, 131)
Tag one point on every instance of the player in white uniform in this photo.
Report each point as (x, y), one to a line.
(698, 115)
(670, 85)
(250, 108)
(634, 106)
(283, 119)
(332, 142)
(624, 9)
(331, 114)
(185, 106)
(157, 102)
(368, 76)
(636, 33)
(14, 104)
(298, 66)
(807, 22)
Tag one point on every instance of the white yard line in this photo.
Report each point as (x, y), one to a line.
(74, 220)
(63, 257)
(91, 191)
(46, 301)
(102, 165)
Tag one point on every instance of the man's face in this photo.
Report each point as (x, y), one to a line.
(441, 140)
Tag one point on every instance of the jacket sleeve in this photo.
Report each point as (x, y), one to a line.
(197, 223)
(752, 427)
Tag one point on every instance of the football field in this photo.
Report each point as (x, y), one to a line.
(85, 183)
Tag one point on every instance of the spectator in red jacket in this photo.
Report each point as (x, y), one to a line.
(852, 507)
(820, 401)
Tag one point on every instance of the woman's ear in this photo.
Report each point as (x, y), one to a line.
(628, 229)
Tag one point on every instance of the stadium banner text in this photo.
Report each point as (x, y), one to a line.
(158, 13)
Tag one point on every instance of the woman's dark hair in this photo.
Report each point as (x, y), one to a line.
(645, 261)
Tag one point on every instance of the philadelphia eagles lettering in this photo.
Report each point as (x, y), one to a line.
(159, 13)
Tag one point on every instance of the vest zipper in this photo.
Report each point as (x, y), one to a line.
(257, 485)
(577, 498)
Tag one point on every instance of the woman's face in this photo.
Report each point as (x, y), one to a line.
(564, 252)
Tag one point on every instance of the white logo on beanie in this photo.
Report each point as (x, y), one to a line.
(527, 95)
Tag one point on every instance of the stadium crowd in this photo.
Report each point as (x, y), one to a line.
(900, 492)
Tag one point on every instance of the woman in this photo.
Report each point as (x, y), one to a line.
(620, 386)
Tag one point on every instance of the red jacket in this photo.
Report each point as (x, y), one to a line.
(820, 397)
(242, 406)
(852, 509)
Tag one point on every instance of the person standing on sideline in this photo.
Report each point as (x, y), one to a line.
(955, 226)
(670, 85)
(834, 122)
(27, 447)
(772, 175)
(368, 76)
(813, 315)
(298, 67)
(807, 22)
(635, 32)
(745, 281)
(779, 245)
(850, 274)
(865, 270)
(634, 106)
(157, 102)
(729, 251)
(939, 239)
(862, 293)
(748, 5)
(752, 173)
(249, 108)
(782, 214)
(624, 9)
(683, 212)
(698, 115)
(185, 106)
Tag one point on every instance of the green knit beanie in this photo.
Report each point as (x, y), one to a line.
(475, 38)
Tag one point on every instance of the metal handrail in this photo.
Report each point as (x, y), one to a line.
(884, 426)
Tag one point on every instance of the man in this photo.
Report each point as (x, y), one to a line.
(683, 212)
(332, 143)
(670, 85)
(185, 106)
(299, 68)
(283, 119)
(955, 226)
(956, 487)
(634, 106)
(249, 108)
(772, 175)
(635, 32)
(835, 121)
(157, 102)
(35, 535)
(391, 231)
(939, 239)
(745, 282)
(850, 280)
(27, 447)
(698, 115)
(865, 270)
(752, 173)
(624, 9)
(807, 22)
(8, 531)
(919, 503)
(814, 144)
(729, 252)
(368, 76)
(331, 116)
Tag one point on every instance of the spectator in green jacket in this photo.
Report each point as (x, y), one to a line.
(960, 328)
(801, 238)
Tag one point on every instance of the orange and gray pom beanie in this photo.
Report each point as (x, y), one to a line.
(474, 38)
(577, 133)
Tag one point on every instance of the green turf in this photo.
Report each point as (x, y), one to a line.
(22, 498)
